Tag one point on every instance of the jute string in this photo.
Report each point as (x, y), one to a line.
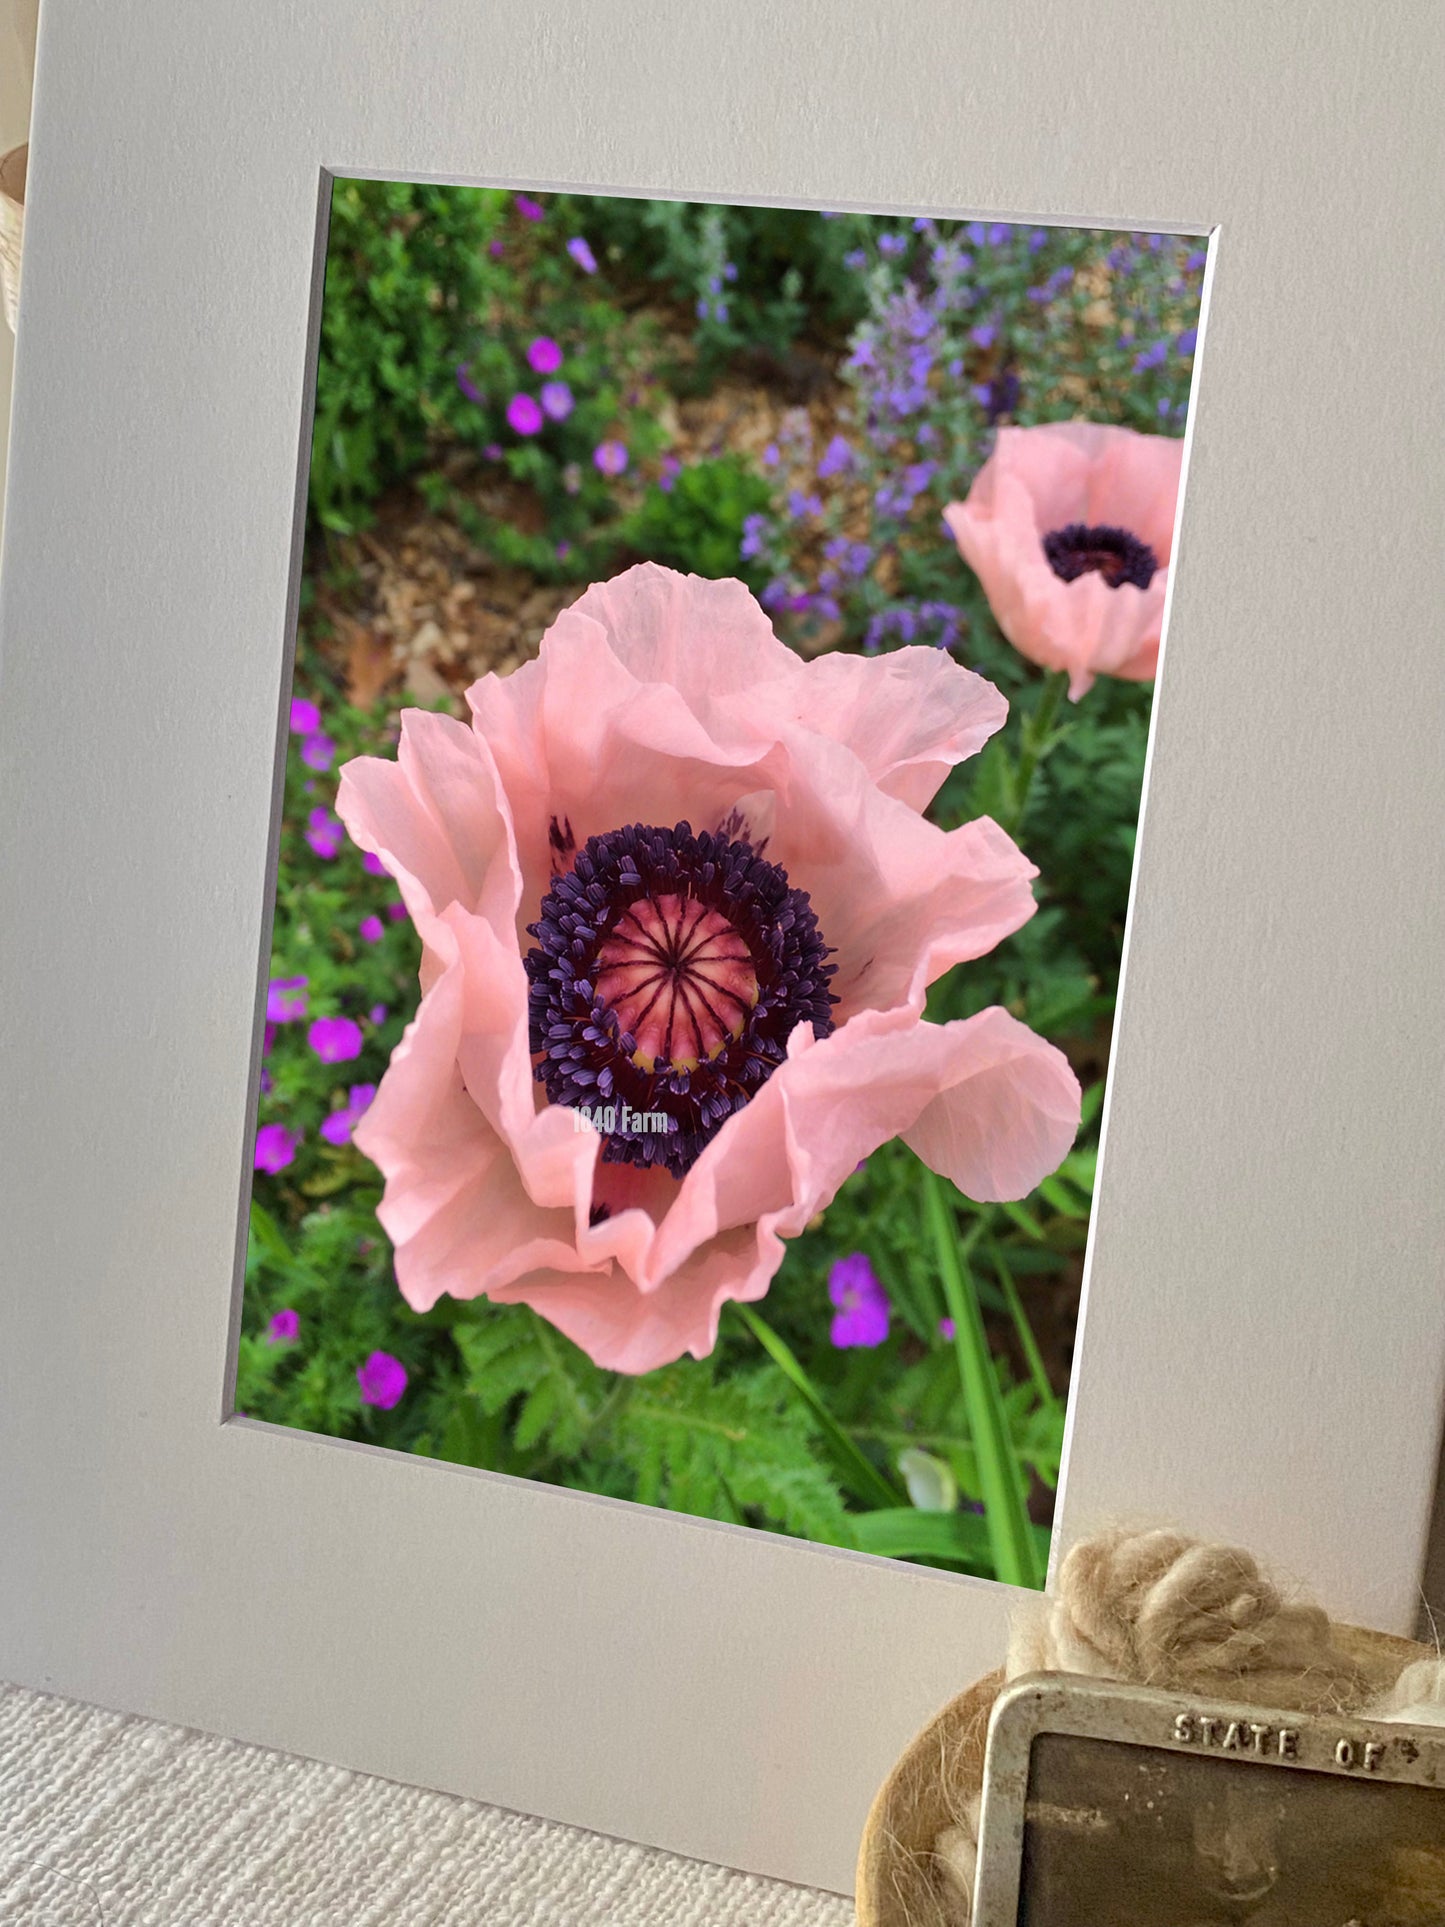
(1158, 1609)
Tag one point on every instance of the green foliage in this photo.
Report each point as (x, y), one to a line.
(407, 279)
(754, 278)
(697, 523)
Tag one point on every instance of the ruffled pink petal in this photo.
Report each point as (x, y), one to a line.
(1134, 484)
(899, 899)
(454, 1207)
(706, 639)
(626, 1329)
(908, 716)
(436, 817)
(986, 1102)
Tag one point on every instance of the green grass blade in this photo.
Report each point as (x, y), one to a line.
(1001, 1480)
(904, 1533)
(1037, 1370)
(862, 1476)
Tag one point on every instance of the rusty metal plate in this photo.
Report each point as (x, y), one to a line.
(1119, 1806)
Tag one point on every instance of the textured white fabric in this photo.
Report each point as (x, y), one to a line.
(112, 1821)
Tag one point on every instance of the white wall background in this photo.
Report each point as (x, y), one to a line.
(17, 67)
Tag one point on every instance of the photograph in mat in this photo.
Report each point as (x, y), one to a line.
(722, 688)
(1166, 1839)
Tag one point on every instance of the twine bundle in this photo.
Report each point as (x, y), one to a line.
(1151, 1608)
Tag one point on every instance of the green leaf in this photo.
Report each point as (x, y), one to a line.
(730, 1448)
(1010, 1532)
(859, 1472)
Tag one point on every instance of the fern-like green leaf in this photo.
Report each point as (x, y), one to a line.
(738, 1448)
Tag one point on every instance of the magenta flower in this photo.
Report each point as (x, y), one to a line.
(946, 1328)
(275, 1147)
(283, 1328)
(496, 250)
(524, 415)
(529, 209)
(371, 930)
(464, 381)
(377, 1013)
(268, 1039)
(324, 834)
(582, 254)
(610, 457)
(861, 1318)
(396, 911)
(544, 355)
(335, 1040)
(798, 1012)
(556, 400)
(382, 1380)
(493, 451)
(317, 751)
(267, 1082)
(305, 717)
(373, 864)
(337, 1128)
(285, 1000)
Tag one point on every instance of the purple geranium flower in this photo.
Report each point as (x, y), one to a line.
(371, 930)
(670, 470)
(373, 863)
(377, 1013)
(523, 415)
(861, 1317)
(529, 209)
(335, 1040)
(582, 254)
(285, 1000)
(464, 381)
(305, 716)
(1187, 342)
(946, 1328)
(275, 1147)
(556, 400)
(382, 1380)
(317, 751)
(324, 834)
(544, 355)
(610, 457)
(396, 911)
(337, 1128)
(283, 1327)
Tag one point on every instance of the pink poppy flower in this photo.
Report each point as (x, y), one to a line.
(1070, 529)
(680, 909)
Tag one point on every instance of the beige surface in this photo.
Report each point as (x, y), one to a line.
(111, 1821)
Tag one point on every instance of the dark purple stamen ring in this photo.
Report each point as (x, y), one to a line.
(1112, 553)
(670, 971)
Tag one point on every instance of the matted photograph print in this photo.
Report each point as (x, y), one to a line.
(723, 679)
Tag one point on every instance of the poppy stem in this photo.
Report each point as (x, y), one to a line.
(1001, 1482)
(1037, 739)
